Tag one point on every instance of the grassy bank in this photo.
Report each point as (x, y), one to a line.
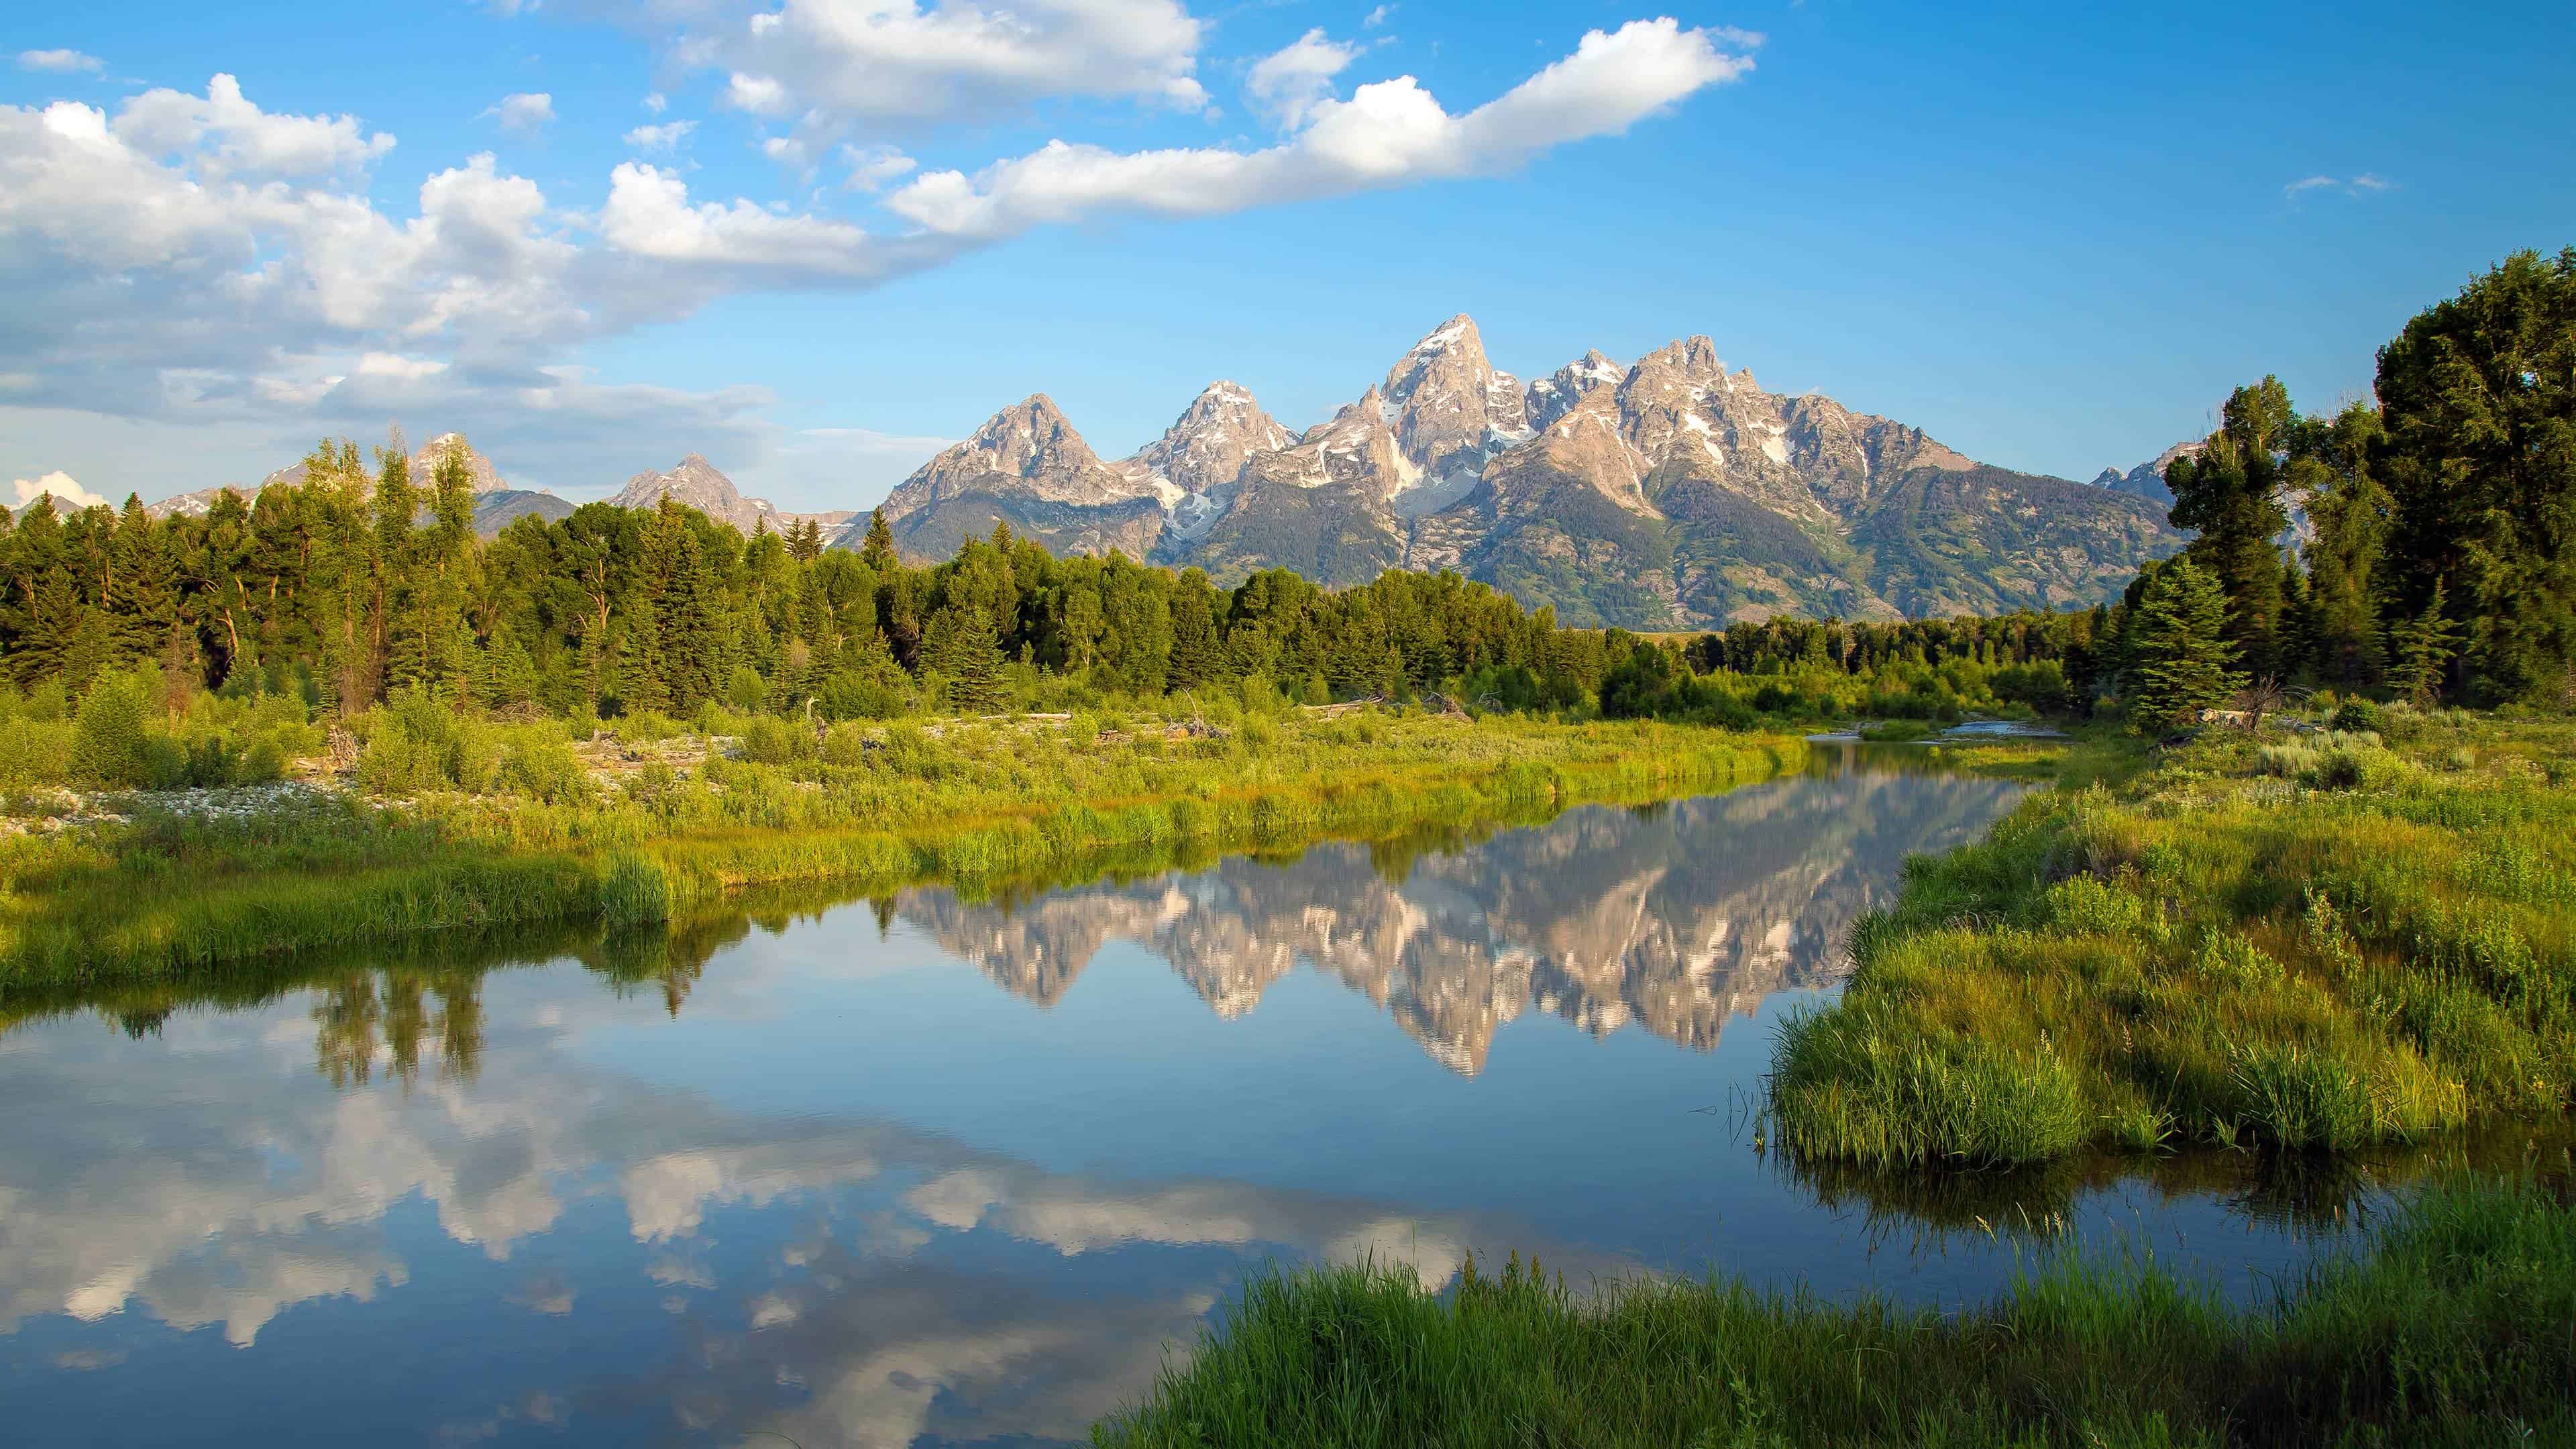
(2449, 1328)
(2313, 940)
(975, 802)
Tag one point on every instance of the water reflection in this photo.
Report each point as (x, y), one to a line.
(804, 1171)
(1674, 916)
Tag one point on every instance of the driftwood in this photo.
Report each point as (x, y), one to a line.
(343, 748)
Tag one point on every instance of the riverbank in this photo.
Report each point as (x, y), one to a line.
(162, 894)
(2447, 1328)
(2310, 939)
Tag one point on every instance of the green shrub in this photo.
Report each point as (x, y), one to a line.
(112, 748)
(541, 765)
(2360, 714)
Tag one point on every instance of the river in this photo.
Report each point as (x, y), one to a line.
(933, 1169)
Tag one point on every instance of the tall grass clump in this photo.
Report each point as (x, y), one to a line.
(2446, 1327)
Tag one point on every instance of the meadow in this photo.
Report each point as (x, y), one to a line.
(465, 823)
(2317, 938)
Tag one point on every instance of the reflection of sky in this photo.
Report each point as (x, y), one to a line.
(853, 1192)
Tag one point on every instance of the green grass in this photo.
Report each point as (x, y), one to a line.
(979, 806)
(2450, 1327)
(2318, 944)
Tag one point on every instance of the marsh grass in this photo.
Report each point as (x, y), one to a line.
(2449, 1327)
(2314, 945)
(974, 805)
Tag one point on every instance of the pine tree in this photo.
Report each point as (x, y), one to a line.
(878, 551)
(960, 648)
(2231, 494)
(2478, 395)
(2184, 660)
(2420, 649)
(2351, 514)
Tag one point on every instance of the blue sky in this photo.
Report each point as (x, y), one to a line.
(2050, 237)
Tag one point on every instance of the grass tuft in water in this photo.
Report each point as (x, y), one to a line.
(2449, 1328)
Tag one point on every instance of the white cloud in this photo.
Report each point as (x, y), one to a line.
(758, 94)
(1287, 85)
(649, 214)
(60, 484)
(894, 61)
(873, 167)
(525, 111)
(1378, 17)
(656, 102)
(2364, 184)
(226, 136)
(65, 61)
(665, 137)
(1387, 134)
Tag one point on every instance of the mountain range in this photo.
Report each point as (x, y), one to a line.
(1670, 493)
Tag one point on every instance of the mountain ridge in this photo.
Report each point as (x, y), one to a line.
(1672, 492)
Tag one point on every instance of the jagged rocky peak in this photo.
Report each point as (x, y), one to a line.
(1450, 409)
(1553, 396)
(2147, 480)
(1029, 450)
(694, 482)
(1030, 439)
(424, 463)
(1206, 447)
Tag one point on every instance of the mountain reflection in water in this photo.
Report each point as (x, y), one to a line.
(805, 1172)
(1674, 916)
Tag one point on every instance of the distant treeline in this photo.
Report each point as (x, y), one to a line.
(363, 582)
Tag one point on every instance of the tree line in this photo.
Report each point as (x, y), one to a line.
(2439, 557)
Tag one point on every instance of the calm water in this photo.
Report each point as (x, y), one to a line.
(930, 1170)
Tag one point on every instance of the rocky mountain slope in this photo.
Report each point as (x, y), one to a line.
(698, 484)
(1671, 493)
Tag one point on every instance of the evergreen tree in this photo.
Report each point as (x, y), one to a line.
(2231, 494)
(2420, 649)
(2478, 395)
(2350, 511)
(2184, 659)
(959, 646)
(878, 551)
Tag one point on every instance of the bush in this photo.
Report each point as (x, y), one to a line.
(112, 748)
(2360, 714)
(542, 766)
(771, 741)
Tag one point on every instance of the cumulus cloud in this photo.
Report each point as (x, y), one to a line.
(225, 136)
(62, 61)
(656, 102)
(1378, 17)
(67, 492)
(1387, 134)
(1287, 85)
(897, 61)
(2364, 184)
(664, 137)
(525, 111)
